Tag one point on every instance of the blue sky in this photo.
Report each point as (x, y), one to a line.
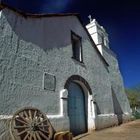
(121, 19)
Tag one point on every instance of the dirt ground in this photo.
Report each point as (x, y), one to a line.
(128, 131)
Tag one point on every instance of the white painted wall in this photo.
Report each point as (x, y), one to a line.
(99, 46)
(91, 113)
(92, 28)
(63, 94)
(0, 14)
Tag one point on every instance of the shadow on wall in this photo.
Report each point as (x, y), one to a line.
(117, 108)
(98, 109)
(43, 31)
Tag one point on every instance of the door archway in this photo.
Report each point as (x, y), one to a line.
(86, 98)
(76, 109)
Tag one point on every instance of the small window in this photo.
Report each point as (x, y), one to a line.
(77, 47)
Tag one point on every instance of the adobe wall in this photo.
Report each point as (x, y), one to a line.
(31, 47)
(121, 103)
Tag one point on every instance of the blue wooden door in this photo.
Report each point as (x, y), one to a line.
(76, 109)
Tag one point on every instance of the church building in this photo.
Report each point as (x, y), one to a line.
(66, 69)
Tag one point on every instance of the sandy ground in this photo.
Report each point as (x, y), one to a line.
(128, 131)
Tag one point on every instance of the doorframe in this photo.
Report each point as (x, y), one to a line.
(90, 110)
(84, 103)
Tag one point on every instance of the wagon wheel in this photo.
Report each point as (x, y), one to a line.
(31, 124)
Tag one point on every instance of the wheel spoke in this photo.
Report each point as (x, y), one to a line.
(43, 126)
(26, 115)
(21, 121)
(22, 132)
(44, 136)
(42, 121)
(34, 136)
(18, 127)
(37, 135)
(25, 138)
(35, 113)
(44, 131)
(23, 118)
(39, 118)
(31, 136)
(30, 115)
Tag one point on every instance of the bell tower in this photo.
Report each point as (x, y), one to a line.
(98, 34)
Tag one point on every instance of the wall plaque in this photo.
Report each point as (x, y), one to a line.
(49, 82)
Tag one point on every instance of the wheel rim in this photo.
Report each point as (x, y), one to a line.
(31, 124)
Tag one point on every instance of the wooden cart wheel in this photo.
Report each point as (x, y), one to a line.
(31, 124)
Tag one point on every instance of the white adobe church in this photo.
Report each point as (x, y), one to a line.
(56, 64)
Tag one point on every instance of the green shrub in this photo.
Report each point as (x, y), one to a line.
(136, 114)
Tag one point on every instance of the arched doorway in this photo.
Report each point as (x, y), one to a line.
(76, 109)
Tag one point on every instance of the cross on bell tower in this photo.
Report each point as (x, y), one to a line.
(90, 18)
